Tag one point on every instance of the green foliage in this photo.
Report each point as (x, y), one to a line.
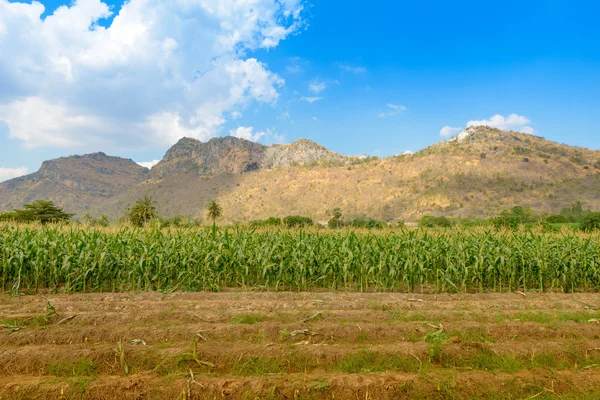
(515, 217)
(334, 222)
(83, 260)
(180, 222)
(590, 221)
(573, 213)
(429, 221)
(39, 211)
(214, 211)
(367, 223)
(271, 221)
(293, 221)
(557, 219)
(143, 211)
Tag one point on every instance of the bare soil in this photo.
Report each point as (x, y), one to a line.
(310, 345)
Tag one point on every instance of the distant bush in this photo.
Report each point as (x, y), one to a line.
(367, 223)
(292, 221)
(515, 217)
(557, 219)
(429, 221)
(179, 222)
(573, 213)
(590, 221)
(271, 221)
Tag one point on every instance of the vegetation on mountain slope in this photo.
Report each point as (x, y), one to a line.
(483, 173)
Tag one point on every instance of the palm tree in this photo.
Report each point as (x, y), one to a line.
(214, 211)
(142, 211)
(337, 215)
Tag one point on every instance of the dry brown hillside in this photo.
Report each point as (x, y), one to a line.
(486, 171)
(479, 173)
(77, 183)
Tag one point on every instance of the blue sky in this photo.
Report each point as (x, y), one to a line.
(379, 78)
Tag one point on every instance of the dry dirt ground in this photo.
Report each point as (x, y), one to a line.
(317, 345)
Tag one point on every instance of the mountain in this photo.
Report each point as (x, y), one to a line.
(479, 173)
(233, 155)
(77, 183)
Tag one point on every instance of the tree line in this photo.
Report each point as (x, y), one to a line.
(145, 211)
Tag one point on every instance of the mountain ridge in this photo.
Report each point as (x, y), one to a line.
(479, 172)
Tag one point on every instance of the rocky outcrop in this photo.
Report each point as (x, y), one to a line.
(236, 156)
(300, 152)
(219, 155)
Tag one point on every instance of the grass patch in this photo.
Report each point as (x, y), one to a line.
(370, 361)
(77, 367)
(257, 366)
(248, 319)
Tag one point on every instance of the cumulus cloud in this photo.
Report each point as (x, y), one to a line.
(392, 109)
(10, 173)
(148, 164)
(317, 86)
(247, 132)
(311, 99)
(159, 71)
(449, 131)
(513, 122)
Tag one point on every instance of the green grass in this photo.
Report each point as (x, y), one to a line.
(248, 319)
(370, 361)
(77, 367)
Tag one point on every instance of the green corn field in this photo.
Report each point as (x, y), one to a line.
(72, 259)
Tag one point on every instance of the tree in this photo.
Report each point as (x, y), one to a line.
(87, 218)
(103, 220)
(214, 211)
(143, 211)
(43, 211)
(337, 215)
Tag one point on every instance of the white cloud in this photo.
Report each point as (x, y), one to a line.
(354, 70)
(317, 86)
(10, 173)
(148, 164)
(315, 119)
(513, 122)
(245, 132)
(236, 115)
(311, 99)
(161, 70)
(294, 69)
(392, 109)
(448, 131)
(284, 117)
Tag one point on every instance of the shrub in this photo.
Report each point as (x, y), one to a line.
(557, 219)
(292, 221)
(366, 223)
(273, 221)
(590, 221)
(429, 221)
(514, 217)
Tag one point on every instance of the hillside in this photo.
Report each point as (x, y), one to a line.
(479, 173)
(77, 183)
